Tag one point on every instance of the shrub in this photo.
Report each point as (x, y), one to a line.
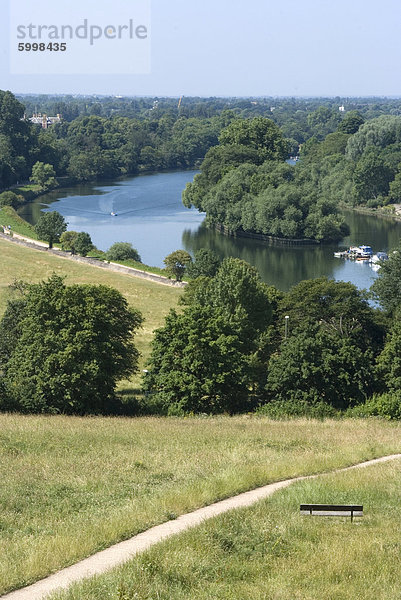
(11, 199)
(284, 409)
(123, 251)
(386, 405)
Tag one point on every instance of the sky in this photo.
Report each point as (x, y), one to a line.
(212, 48)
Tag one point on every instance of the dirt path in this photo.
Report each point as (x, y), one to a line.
(42, 247)
(116, 555)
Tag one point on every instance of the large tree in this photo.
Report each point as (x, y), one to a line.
(50, 226)
(210, 357)
(198, 364)
(260, 134)
(177, 263)
(320, 364)
(43, 175)
(64, 348)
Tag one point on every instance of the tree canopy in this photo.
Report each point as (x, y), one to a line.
(64, 348)
(387, 287)
(208, 358)
(50, 226)
(123, 251)
(177, 263)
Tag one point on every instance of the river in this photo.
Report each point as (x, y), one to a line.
(151, 216)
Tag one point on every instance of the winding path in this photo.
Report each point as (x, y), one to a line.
(119, 553)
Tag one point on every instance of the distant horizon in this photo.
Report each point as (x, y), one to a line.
(206, 97)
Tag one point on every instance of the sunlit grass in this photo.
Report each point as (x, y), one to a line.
(9, 217)
(71, 486)
(270, 552)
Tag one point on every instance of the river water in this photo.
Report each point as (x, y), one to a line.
(151, 216)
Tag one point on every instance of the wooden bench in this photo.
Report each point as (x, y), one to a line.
(333, 510)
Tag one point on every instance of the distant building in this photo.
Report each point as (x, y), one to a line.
(341, 108)
(43, 120)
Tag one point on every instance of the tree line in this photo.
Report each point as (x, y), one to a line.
(236, 345)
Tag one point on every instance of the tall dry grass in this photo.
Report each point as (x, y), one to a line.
(71, 486)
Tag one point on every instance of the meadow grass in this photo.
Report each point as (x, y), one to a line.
(271, 552)
(72, 486)
(153, 300)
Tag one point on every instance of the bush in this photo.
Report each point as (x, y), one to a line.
(386, 405)
(284, 409)
(123, 251)
(11, 199)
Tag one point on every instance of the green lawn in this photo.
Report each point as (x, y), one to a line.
(271, 552)
(152, 299)
(72, 486)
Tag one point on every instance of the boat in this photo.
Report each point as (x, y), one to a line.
(113, 214)
(365, 251)
(360, 253)
(379, 257)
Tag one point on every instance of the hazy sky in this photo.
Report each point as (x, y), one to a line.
(242, 48)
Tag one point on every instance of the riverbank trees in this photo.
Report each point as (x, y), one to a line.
(245, 186)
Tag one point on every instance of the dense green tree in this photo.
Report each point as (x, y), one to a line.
(389, 362)
(197, 364)
(351, 122)
(320, 364)
(43, 175)
(122, 251)
(337, 306)
(395, 188)
(372, 177)
(67, 240)
(239, 293)
(322, 121)
(375, 134)
(387, 287)
(76, 242)
(210, 357)
(260, 134)
(50, 226)
(177, 263)
(11, 199)
(83, 243)
(206, 263)
(70, 346)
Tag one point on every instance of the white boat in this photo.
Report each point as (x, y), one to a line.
(379, 257)
(113, 214)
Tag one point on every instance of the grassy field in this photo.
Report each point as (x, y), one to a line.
(271, 552)
(152, 299)
(72, 486)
